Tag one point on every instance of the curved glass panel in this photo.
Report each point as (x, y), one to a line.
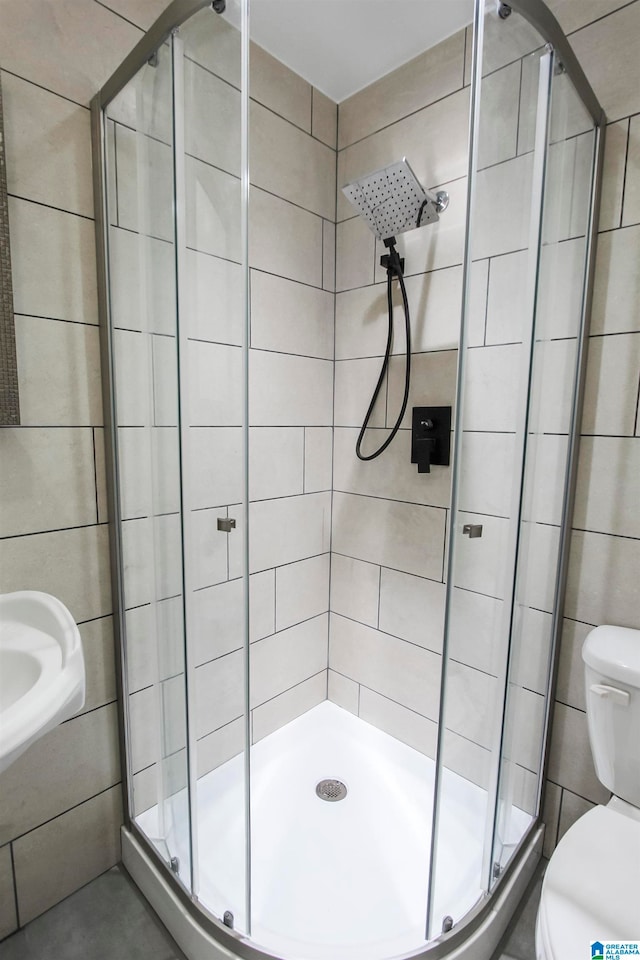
(144, 335)
(512, 82)
(558, 326)
(177, 314)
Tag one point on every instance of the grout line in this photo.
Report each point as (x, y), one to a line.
(63, 813)
(411, 643)
(120, 16)
(412, 113)
(41, 86)
(486, 302)
(464, 57)
(519, 116)
(108, 159)
(624, 172)
(44, 533)
(379, 595)
(15, 883)
(275, 602)
(604, 16)
(51, 206)
(95, 473)
(76, 323)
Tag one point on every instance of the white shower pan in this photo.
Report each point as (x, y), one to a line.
(42, 676)
(345, 880)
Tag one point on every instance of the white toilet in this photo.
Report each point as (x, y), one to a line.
(591, 889)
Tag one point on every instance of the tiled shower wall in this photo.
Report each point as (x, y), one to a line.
(604, 570)
(389, 522)
(389, 543)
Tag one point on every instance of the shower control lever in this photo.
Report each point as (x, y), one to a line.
(430, 437)
(226, 524)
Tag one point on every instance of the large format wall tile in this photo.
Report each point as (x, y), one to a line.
(405, 725)
(607, 491)
(607, 52)
(58, 372)
(89, 42)
(302, 590)
(213, 212)
(212, 119)
(306, 519)
(431, 76)
(612, 385)
(279, 88)
(631, 209)
(324, 118)
(412, 608)
(290, 317)
(287, 162)
(53, 263)
(47, 481)
(286, 658)
(408, 674)
(219, 692)
(45, 872)
(399, 535)
(8, 915)
(213, 298)
(391, 475)
(273, 714)
(73, 565)
(602, 583)
(297, 254)
(48, 147)
(355, 589)
(616, 290)
(73, 762)
(276, 463)
(288, 390)
(435, 303)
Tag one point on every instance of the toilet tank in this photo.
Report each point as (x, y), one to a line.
(612, 674)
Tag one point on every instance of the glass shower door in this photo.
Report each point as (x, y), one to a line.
(211, 214)
(513, 72)
(555, 361)
(145, 436)
(177, 228)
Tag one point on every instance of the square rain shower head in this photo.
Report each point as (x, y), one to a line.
(392, 200)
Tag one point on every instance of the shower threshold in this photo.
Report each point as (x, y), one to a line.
(345, 880)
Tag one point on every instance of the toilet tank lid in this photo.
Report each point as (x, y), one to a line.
(614, 652)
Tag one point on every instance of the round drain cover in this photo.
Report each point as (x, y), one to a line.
(331, 790)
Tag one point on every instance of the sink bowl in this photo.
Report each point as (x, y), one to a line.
(42, 675)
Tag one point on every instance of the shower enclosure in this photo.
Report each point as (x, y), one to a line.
(336, 675)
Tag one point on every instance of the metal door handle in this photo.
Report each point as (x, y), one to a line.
(226, 524)
(472, 530)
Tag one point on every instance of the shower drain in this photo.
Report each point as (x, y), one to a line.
(331, 790)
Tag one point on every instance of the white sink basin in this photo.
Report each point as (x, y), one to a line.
(42, 678)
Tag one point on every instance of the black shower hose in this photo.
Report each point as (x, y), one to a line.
(394, 268)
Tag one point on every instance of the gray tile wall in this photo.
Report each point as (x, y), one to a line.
(389, 522)
(61, 801)
(604, 571)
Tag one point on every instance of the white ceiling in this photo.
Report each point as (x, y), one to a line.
(341, 46)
